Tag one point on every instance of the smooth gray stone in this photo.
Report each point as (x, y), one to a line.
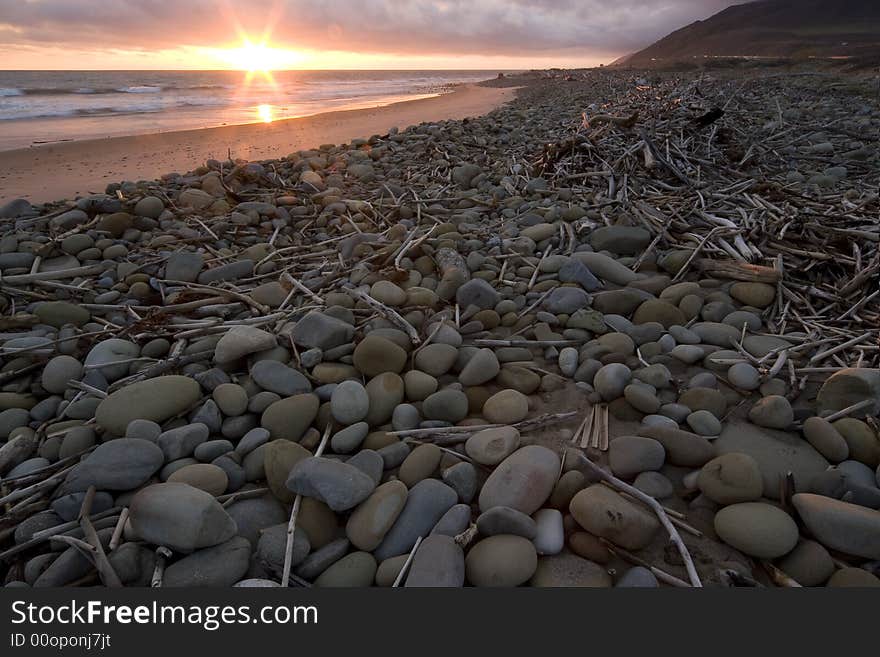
(504, 520)
(121, 464)
(439, 562)
(340, 486)
(221, 565)
(426, 503)
(320, 560)
(279, 378)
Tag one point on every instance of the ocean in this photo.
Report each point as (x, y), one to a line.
(38, 107)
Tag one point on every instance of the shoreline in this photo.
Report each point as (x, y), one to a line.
(68, 169)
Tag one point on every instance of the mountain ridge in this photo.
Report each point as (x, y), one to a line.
(792, 29)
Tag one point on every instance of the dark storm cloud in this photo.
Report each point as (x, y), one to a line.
(502, 27)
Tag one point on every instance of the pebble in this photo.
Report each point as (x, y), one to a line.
(757, 529)
(522, 481)
(117, 465)
(58, 372)
(731, 478)
(654, 484)
(822, 435)
(349, 402)
(501, 561)
(439, 562)
(841, 526)
(504, 520)
(179, 517)
(704, 423)
(550, 537)
(773, 412)
(426, 503)
(241, 341)
(491, 446)
(482, 367)
(611, 380)
(279, 378)
(290, 417)
(448, 405)
(637, 577)
(338, 485)
(156, 399)
(603, 512)
(630, 455)
(355, 570)
(506, 407)
(744, 376)
(372, 519)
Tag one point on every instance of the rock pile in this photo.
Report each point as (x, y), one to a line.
(399, 338)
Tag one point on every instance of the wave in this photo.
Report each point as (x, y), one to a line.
(140, 90)
(24, 112)
(136, 89)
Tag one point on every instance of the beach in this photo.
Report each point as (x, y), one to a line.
(570, 342)
(70, 169)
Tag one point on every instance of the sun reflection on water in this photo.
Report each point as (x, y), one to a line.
(264, 112)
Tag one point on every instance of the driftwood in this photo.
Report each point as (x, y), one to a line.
(294, 512)
(655, 506)
(412, 553)
(739, 271)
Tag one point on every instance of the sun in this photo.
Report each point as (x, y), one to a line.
(259, 57)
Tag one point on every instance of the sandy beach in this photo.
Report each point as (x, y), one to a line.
(69, 169)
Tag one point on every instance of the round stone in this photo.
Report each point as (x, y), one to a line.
(491, 446)
(744, 376)
(448, 405)
(436, 359)
(289, 418)
(506, 407)
(757, 529)
(501, 561)
(385, 391)
(156, 399)
(231, 399)
(180, 517)
(822, 435)
(421, 463)
(550, 537)
(419, 385)
(809, 564)
(704, 423)
(654, 484)
(204, 476)
(758, 295)
(522, 481)
(504, 520)
(375, 355)
(58, 372)
(773, 412)
(605, 513)
(731, 478)
(357, 569)
(388, 293)
(372, 519)
(631, 455)
(611, 380)
(349, 402)
(482, 367)
(642, 397)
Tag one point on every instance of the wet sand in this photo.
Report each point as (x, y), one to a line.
(69, 169)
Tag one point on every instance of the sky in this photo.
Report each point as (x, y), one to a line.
(322, 34)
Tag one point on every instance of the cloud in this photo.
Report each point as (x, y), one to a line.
(401, 27)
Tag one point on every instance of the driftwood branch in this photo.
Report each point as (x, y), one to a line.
(655, 506)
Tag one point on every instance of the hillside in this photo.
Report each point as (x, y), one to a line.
(795, 29)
